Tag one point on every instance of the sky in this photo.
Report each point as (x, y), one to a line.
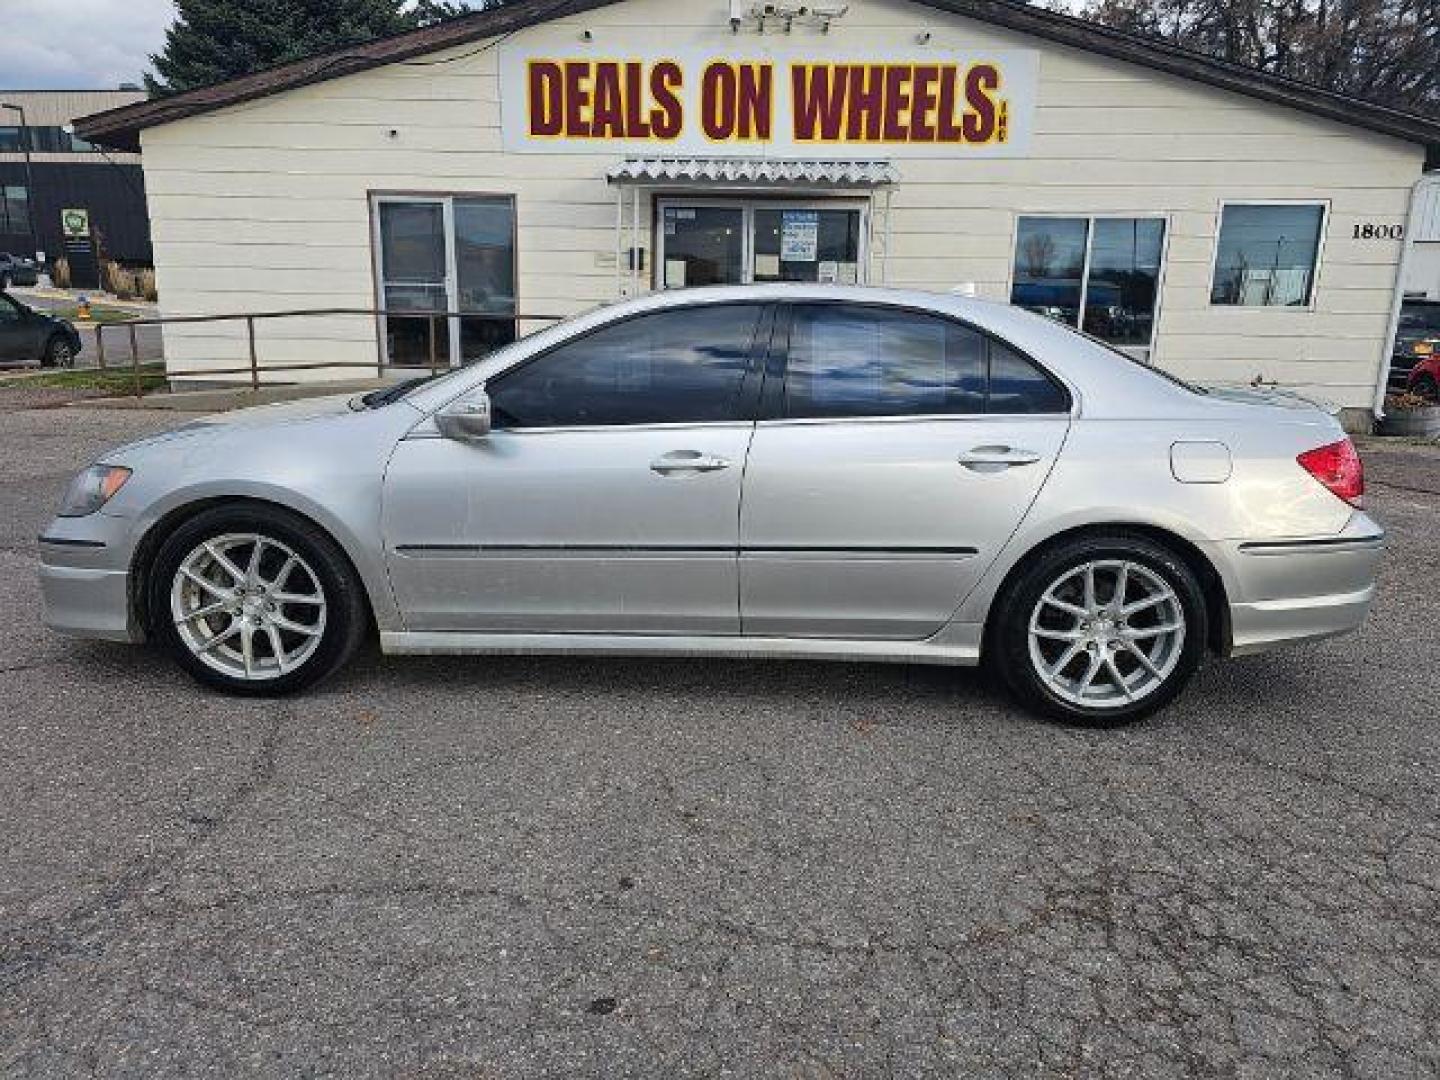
(79, 44)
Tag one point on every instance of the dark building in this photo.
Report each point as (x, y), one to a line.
(68, 173)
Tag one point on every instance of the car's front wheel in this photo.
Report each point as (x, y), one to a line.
(255, 600)
(59, 353)
(1100, 629)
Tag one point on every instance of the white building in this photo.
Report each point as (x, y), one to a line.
(532, 160)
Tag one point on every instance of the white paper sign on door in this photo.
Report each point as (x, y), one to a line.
(800, 236)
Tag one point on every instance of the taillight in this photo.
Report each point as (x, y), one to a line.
(1337, 466)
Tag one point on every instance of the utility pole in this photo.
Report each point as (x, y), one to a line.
(30, 202)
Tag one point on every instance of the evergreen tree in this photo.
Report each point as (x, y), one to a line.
(214, 40)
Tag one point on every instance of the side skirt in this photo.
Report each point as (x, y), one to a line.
(948, 647)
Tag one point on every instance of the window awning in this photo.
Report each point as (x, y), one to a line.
(709, 171)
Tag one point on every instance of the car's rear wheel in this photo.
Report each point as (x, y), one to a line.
(1427, 388)
(1100, 629)
(59, 353)
(254, 600)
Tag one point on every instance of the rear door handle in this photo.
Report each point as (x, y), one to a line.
(997, 456)
(688, 461)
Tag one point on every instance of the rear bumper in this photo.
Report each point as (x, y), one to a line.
(1303, 590)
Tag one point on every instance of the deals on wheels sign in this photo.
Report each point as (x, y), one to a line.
(780, 100)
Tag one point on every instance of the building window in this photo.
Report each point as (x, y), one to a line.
(439, 255)
(14, 209)
(46, 139)
(1267, 254)
(1097, 274)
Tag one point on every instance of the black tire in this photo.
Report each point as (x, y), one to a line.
(1008, 652)
(1427, 388)
(346, 619)
(58, 353)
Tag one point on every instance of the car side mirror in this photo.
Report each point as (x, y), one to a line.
(467, 418)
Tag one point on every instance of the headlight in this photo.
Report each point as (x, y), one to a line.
(92, 489)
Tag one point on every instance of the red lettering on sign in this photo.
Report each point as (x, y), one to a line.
(947, 130)
(754, 105)
(897, 103)
(922, 119)
(819, 98)
(577, 100)
(866, 84)
(979, 122)
(668, 115)
(545, 99)
(926, 103)
(718, 97)
(609, 122)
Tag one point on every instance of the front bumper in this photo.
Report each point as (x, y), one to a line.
(1303, 590)
(84, 578)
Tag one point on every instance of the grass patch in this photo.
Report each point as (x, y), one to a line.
(99, 313)
(112, 380)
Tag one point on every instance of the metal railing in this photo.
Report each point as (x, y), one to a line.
(253, 369)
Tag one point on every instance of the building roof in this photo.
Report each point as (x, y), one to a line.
(120, 128)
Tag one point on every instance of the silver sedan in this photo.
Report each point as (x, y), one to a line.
(775, 471)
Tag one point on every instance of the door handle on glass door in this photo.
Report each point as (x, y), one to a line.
(688, 461)
(997, 456)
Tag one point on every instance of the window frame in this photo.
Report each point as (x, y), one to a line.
(1311, 301)
(777, 370)
(747, 397)
(374, 200)
(1144, 353)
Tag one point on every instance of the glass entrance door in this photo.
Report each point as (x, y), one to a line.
(721, 242)
(803, 244)
(703, 245)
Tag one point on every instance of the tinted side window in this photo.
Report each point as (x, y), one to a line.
(682, 366)
(1018, 386)
(850, 361)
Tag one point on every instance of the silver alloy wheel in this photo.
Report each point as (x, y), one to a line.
(1107, 633)
(248, 606)
(62, 355)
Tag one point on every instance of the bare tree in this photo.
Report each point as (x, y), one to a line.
(1386, 51)
(1038, 251)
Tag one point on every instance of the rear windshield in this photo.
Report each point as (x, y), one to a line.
(1151, 368)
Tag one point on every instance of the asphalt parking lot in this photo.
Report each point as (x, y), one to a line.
(525, 867)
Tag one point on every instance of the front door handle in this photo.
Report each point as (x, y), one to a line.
(688, 461)
(997, 457)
